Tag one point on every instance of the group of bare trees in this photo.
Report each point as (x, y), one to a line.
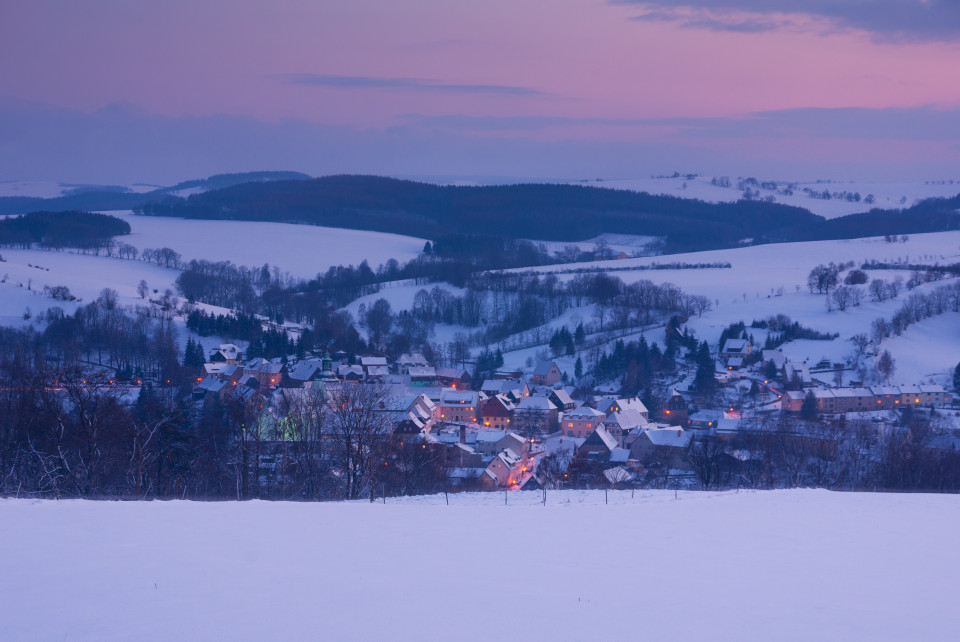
(71, 432)
(829, 453)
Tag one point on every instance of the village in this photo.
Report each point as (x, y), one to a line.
(523, 429)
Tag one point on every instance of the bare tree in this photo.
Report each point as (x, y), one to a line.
(886, 365)
(359, 428)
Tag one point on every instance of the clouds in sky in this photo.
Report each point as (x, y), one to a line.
(937, 20)
(552, 88)
(124, 144)
(404, 84)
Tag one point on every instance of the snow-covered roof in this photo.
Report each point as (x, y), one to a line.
(452, 396)
(562, 396)
(535, 404)
(583, 413)
(373, 361)
(626, 419)
(543, 368)
(735, 345)
(608, 440)
(415, 359)
(490, 436)
(673, 436)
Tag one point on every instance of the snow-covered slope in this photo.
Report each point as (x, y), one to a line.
(776, 565)
(886, 195)
(302, 250)
(766, 280)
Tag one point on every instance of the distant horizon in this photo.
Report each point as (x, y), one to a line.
(488, 179)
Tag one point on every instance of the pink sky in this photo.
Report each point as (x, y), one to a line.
(378, 64)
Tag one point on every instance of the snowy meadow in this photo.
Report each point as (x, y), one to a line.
(785, 565)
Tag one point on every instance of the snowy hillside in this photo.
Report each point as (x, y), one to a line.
(302, 250)
(766, 280)
(886, 195)
(776, 565)
(36, 189)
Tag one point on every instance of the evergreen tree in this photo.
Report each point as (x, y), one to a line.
(578, 369)
(956, 378)
(188, 353)
(771, 371)
(704, 380)
(808, 410)
(580, 335)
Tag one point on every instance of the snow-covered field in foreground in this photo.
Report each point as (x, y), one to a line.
(779, 565)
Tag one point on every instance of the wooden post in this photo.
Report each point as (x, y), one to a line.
(606, 497)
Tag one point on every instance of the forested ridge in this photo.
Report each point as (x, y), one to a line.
(540, 211)
(551, 212)
(61, 229)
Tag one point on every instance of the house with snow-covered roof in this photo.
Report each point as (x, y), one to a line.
(535, 415)
(598, 445)
(662, 445)
(225, 352)
(497, 412)
(546, 373)
(406, 361)
(506, 470)
(580, 422)
(459, 405)
(674, 409)
(736, 348)
(562, 400)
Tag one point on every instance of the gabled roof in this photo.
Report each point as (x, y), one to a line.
(211, 384)
(503, 401)
(543, 367)
(271, 368)
(735, 345)
(489, 436)
(599, 437)
(562, 396)
(673, 437)
(305, 370)
(345, 370)
(626, 419)
(535, 404)
(583, 413)
(415, 359)
(453, 397)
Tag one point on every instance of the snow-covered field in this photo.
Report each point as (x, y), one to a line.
(85, 275)
(886, 195)
(631, 244)
(302, 250)
(751, 289)
(775, 565)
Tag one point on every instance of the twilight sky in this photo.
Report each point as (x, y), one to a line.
(119, 92)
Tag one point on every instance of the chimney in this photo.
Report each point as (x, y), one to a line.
(463, 435)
